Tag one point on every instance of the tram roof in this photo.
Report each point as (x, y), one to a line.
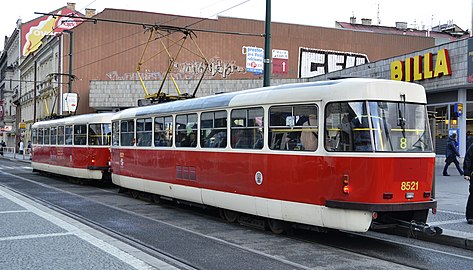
(77, 119)
(324, 91)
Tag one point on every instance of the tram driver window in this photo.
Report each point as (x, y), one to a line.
(115, 133)
(293, 128)
(247, 130)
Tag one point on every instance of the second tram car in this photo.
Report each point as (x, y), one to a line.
(342, 154)
(76, 146)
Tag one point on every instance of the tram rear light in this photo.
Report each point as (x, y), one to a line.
(346, 181)
(434, 211)
(426, 194)
(387, 195)
(92, 161)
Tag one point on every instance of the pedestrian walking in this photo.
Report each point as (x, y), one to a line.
(2, 145)
(451, 154)
(468, 170)
(21, 147)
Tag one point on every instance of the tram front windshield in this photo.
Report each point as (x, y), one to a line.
(377, 126)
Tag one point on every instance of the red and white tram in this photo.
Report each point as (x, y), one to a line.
(76, 146)
(342, 154)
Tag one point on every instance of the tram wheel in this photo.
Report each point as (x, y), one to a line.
(156, 198)
(135, 194)
(121, 190)
(277, 226)
(230, 216)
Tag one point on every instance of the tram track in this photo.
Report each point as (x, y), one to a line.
(137, 243)
(362, 244)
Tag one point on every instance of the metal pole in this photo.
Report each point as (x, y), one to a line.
(267, 45)
(70, 60)
(34, 91)
(432, 134)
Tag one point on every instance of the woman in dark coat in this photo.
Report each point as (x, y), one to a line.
(468, 169)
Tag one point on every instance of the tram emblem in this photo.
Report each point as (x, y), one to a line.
(258, 178)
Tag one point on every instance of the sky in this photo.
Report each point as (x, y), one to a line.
(421, 14)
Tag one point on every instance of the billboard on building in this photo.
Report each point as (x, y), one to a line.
(33, 31)
(254, 59)
(314, 62)
(280, 61)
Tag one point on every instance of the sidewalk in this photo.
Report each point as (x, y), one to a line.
(451, 193)
(11, 155)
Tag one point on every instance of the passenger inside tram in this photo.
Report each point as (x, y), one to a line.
(309, 136)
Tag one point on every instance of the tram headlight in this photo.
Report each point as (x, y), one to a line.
(410, 195)
(346, 184)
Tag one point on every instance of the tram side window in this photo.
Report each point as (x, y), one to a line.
(127, 133)
(53, 135)
(144, 132)
(68, 135)
(99, 134)
(163, 131)
(186, 130)
(247, 128)
(80, 134)
(213, 129)
(347, 127)
(293, 128)
(60, 135)
(40, 135)
(34, 135)
(46, 136)
(115, 133)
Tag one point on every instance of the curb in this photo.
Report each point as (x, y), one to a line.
(450, 240)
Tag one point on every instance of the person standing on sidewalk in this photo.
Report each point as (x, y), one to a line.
(451, 154)
(468, 170)
(21, 147)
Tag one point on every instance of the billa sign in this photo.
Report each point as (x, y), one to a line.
(421, 67)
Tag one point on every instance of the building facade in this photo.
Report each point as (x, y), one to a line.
(173, 53)
(9, 85)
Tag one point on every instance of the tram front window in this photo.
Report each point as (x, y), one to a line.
(377, 126)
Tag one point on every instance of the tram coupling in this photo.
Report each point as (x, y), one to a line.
(418, 227)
